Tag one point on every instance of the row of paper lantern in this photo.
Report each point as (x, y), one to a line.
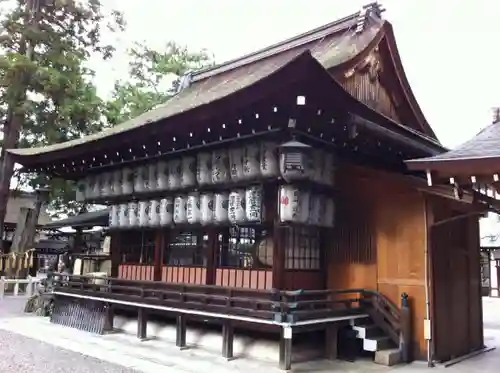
(221, 166)
(238, 206)
(299, 206)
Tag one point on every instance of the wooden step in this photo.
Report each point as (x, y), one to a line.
(361, 321)
(368, 331)
(377, 343)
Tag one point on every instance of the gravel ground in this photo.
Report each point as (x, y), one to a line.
(19, 354)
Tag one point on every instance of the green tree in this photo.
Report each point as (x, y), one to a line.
(154, 77)
(46, 91)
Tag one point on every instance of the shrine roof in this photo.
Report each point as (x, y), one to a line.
(331, 45)
(480, 154)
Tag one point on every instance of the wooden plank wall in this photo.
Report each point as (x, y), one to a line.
(456, 295)
(379, 240)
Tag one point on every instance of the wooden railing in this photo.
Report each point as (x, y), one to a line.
(290, 307)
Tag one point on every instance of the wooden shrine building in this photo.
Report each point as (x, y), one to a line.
(275, 189)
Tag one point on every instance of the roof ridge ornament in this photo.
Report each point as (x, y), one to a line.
(496, 114)
(371, 9)
(185, 81)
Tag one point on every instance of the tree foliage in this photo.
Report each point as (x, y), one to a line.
(44, 78)
(153, 78)
(52, 89)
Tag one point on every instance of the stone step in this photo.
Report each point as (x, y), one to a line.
(377, 343)
(388, 357)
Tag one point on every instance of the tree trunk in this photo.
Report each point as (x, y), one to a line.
(15, 117)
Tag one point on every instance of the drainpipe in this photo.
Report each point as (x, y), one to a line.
(429, 342)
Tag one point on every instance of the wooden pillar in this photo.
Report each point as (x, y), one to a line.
(115, 251)
(285, 349)
(211, 256)
(158, 257)
(180, 332)
(331, 340)
(279, 256)
(142, 324)
(109, 321)
(227, 339)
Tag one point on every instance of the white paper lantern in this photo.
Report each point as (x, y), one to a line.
(114, 216)
(317, 165)
(329, 216)
(236, 163)
(253, 204)
(305, 198)
(116, 187)
(89, 187)
(127, 181)
(220, 167)
(207, 208)
(180, 203)
(236, 207)
(315, 209)
(221, 202)
(143, 213)
(166, 211)
(153, 176)
(329, 169)
(289, 203)
(140, 179)
(133, 214)
(154, 213)
(188, 176)
(204, 168)
(251, 161)
(174, 174)
(193, 208)
(269, 165)
(162, 172)
(94, 186)
(105, 184)
(123, 216)
(81, 187)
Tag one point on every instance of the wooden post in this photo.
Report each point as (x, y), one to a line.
(227, 339)
(211, 254)
(278, 257)
(331, 340)
(115, 253)
(405, 337)
(180, 332)
(286, 348)
(159, 243)
(142, 324)
(109, 321)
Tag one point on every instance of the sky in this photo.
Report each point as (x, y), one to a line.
(449, 49)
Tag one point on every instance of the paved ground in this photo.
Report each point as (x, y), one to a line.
(20, 354)
(31, 344)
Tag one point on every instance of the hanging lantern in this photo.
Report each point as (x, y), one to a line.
(295, 160)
